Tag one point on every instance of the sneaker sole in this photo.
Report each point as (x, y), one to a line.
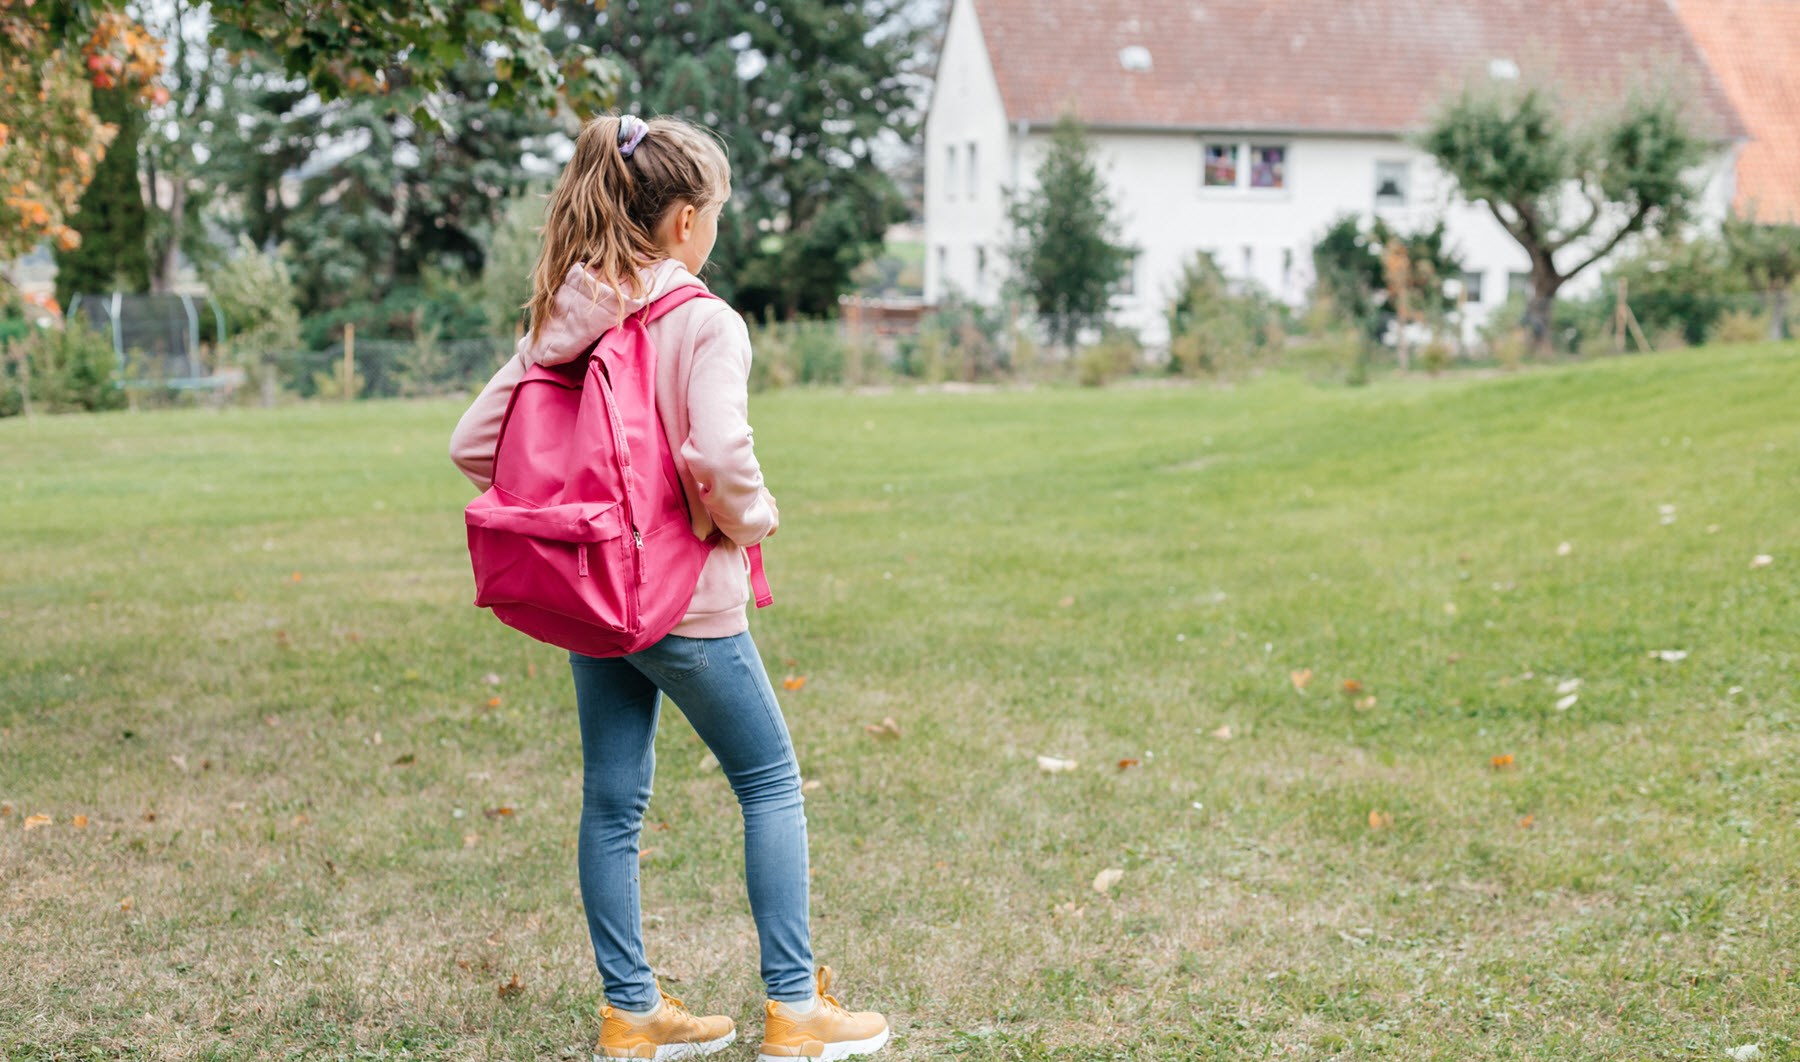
(841, 1049)
(671, 1052)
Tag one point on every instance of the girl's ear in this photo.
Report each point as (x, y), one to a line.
(684, 224)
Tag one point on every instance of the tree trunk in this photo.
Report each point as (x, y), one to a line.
(168, 263)
(1538, 308)
(1778, 313)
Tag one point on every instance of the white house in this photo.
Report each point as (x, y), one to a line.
(1246, 127)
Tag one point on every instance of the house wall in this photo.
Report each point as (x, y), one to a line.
(965, 221)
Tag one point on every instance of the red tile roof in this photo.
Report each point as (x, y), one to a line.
(1754, 48)
(1351, 66)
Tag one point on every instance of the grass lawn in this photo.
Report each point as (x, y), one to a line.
(330, 807)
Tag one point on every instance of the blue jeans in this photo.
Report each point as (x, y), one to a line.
(720, 685)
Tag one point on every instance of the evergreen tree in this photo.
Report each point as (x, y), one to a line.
(1515, 150)
(1064, 258)
(114, 254)
(800, 91)
(1351, 264)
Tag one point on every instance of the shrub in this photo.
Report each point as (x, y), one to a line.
(1219, 332)
(256, 296)
(61, 370)
(1117, 353)
(1741, 326)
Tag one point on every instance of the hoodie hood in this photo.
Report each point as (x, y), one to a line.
(587, 306)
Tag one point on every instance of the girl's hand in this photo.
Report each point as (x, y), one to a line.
(773, 508)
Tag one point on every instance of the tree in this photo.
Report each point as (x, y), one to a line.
(402, 52)
(802, 92)
(1768, 256)
(115, 253)
(1376, 276)
(1064, 258)
(1556, 187)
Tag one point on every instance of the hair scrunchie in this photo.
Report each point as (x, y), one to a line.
(632, 131)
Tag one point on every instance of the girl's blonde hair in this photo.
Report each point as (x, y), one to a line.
(606, 206)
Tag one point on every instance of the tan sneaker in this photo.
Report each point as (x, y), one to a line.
(828, 1032)
(669, 1033)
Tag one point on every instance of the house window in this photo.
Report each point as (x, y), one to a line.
(1392, 182)
(1127, 283)
(1268, 167)
(943, 264)
(974, 171)
(1518, 284)
(950, 172)
(1471, 284)
(1221, 166)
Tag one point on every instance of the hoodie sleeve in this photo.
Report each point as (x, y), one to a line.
(718, 449)
(472, 443)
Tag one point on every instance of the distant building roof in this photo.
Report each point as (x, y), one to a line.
(1754, 48)
(1346, 66)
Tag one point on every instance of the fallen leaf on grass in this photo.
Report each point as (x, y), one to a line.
(33, 822)
(491, 679)
(1567, 686)
(512, 987)
(793, 682)
(1380, 820)
(296, 577)
(502, 812)
(125, 903)
(179, 761)
(6, 809)
(1563, 704)
(1526, 822)
(1761, 560)
(1106, 879)
(1744, 1052)
(1352, 687)
(79, 822)
(405, 761)
(644, 853)
(1501, 763)
(1068, 910)
(810, 784)
(887, 728)
(299, 820)
(470, 839)
(1223, 733)
(1127, 764)
(1301, 678)
(1563, 549)
(1366, 703)
(709, 762)
(237, 805)
(493, 702)
(1055, 764)
(1669, 656)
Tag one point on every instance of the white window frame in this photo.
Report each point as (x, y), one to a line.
(950, 172)
(1405, 183)
(972, 162)
(1242, 150)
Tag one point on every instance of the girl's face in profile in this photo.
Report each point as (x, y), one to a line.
(688, 234)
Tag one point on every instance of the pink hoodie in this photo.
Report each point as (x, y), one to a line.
(702, 377)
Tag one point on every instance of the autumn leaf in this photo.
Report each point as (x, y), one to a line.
(709, 762)
(502, 812)
(405, 761)
(1222, 734)
(33, 822)
(1055, 764)
(1502, 762)
(1526, 822)
(1106, 879)
(512, 987)
(1127, 764)
(1352, 687)
(295, 577)
(125, 903)
(1380, 820)
(493, 702)
(1365, 703)
(793, 682)
(79, 822)
(810, 785)
(1301, 678)
(887, 728)
(644, 853)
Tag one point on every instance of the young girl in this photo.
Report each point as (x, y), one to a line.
(633, 218)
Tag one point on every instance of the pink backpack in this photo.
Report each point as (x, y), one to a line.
(584, 540)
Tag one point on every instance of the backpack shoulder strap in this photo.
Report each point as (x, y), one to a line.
(673, 299)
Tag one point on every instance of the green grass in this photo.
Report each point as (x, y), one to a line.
(241, 645)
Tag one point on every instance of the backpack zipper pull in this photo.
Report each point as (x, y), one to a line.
(639, 539)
